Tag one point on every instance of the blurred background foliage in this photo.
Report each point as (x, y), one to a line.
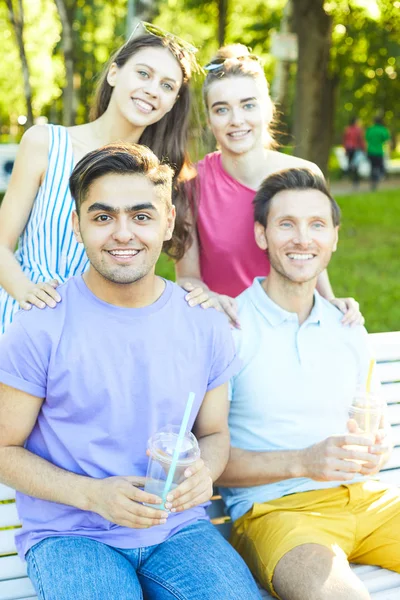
(363, 67)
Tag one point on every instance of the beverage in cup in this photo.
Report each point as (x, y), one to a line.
(161, 448)
(366, 411)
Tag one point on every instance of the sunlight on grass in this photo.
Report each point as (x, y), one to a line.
(367, 262)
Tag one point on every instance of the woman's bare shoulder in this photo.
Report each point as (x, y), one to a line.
(278, 161)
(37, 136)
(32, 155)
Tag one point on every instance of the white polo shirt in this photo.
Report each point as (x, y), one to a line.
(295, 386)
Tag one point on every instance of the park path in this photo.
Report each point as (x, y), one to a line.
(344, 186)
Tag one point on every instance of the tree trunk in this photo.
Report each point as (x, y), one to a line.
(146, 10)
(313, 84)
(17, 21)
(324, 140)
(68, 52)
(280, 82)
(222, 20)
(140, 10)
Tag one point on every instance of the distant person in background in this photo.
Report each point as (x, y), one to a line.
(376, 135)
(354, 144)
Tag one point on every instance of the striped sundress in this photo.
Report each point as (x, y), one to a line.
(47, 248)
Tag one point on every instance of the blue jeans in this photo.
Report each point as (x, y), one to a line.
(196, 563)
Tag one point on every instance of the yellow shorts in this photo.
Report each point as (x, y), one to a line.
(361, 520)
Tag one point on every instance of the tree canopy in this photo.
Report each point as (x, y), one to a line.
(362, 66)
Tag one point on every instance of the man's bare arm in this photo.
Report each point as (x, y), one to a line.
(212, 431)
(329, 460)
(27, 472)
(117, 499)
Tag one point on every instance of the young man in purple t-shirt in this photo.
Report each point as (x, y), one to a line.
(84, 387)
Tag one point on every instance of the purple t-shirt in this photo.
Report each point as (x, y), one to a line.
(111, 377)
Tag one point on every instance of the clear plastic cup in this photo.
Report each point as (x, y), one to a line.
(161, 448)
(366, 411)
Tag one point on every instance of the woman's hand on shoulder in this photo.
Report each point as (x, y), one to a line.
(208, 299)
(40, 294)
(351, 310)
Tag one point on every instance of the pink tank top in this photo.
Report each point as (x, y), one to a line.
(229, 256)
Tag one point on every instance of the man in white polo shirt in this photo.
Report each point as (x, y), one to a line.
(302, 507)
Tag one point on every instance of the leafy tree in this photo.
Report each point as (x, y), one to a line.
(197, 22)
(365, 59)
(41, 33)
(66, 10)
(16, 13)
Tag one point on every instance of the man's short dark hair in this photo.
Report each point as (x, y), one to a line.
(121, 159)
(290, 179)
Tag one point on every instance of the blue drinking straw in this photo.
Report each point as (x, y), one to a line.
(178, 446)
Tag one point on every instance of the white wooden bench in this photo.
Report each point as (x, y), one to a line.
(382, 584)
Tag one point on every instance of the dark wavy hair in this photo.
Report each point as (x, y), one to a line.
(290, 179)
(121, 159)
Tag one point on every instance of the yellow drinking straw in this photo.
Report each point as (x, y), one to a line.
(369, 379)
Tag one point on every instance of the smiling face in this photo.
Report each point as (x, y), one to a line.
(300, 235)
(237, 113)
(123, 222)
(146, 86)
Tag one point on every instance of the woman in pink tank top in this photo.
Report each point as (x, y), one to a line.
(224, 257)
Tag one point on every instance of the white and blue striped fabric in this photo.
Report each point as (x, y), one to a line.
(47, 248)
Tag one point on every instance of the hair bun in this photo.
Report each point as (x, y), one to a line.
(231, 51)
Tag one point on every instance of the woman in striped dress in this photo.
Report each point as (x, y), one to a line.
(143, 96)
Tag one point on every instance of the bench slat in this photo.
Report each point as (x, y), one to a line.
(6, 493)
(391, 392)
(393, 412)
(387, 595)
(361, 570)
(389, 372)
(394, 460)
(395, 432)
(12, 567)
(381, 579)
(390, 477)
(15, 589)
(8, 515)
(7, 542)
(386, 346)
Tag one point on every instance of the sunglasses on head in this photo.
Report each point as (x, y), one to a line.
(144, 27)
(219, 63)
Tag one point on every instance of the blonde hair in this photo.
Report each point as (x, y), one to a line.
(235, 60)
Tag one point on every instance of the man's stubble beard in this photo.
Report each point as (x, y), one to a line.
(117, 276)
(276, 266)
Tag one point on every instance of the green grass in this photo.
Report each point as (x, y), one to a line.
(367, 262)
